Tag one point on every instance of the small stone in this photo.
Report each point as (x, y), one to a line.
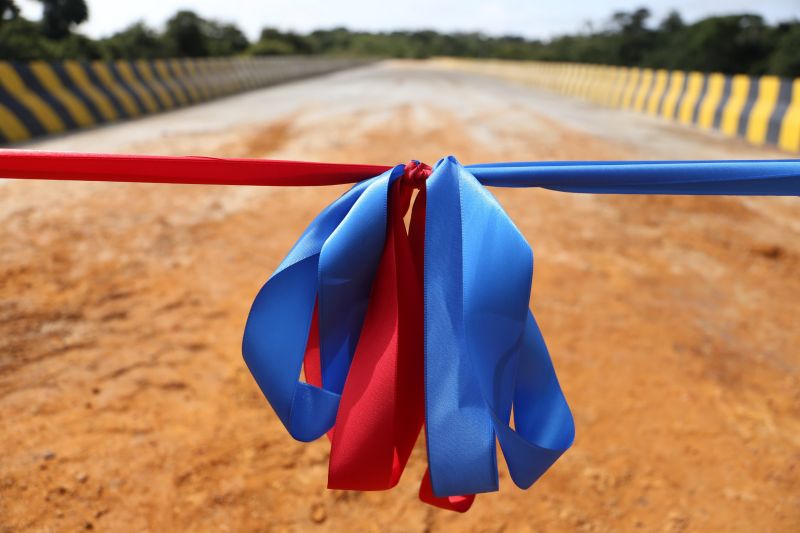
(318, 514)
(49, 455)
(82, 477)
(88, 525)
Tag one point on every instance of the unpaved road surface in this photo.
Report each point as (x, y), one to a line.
(125, 404)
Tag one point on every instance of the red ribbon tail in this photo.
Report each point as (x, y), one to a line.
(459, 504)
(381, 411)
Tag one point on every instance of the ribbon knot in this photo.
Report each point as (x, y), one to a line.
(415, 173)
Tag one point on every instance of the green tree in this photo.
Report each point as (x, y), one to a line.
(785, 59)
(8, 10)
(22, 40)
(225, 39)
(729, 44)
(633, 38)
(185, 36)
(58, 16)
(190, 35)
(134, 42)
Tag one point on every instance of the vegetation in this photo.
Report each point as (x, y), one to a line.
(732, 44)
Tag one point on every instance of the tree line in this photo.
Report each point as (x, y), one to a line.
(743, 43)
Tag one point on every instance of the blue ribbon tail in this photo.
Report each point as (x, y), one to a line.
(483, 350)
(277, 328)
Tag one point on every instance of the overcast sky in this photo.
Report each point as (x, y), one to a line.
(529, 18)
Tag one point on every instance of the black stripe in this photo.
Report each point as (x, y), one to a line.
(621, 85)
(635, 91)
(184, 87)
(124, 84)
(160, 79)
(681, 96)
(752, 98)
(202, 77)
(649, 92)
(784, 99)
(193, 79)
(138, 75)
(660, 106)
(33, 84)
(726, 95)
(100, 86)
(24, 115)
(62, 75)
(698, 104)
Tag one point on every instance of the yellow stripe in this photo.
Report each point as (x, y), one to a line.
(733, 107)
(673, 93)
(689, 101)
(162, 69)
(657, 92)
(711, 100)
(618, 90)
(789, 138)
(200, 67)
(183, 75)
(78, 76)
(613, 81)
(758, 122)
(641, 93)
(153, 83)
(47, 77)
(190, 69)
(13, 129)
(235, 76)
(231, 83)
(590, 83)
(578, 76)
(126, 100)
(43, 112)
(127, 74)
(630, 88)
(230, 74)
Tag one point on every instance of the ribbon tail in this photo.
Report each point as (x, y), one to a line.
(460, 436)
(460, 504)
(543, 424)
(504, 343)
(276, 335)
(381, 410)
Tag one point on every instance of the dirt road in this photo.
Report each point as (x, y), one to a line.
(125, 404)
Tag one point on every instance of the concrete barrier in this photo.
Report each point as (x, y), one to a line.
(763, 110)
(41, 98)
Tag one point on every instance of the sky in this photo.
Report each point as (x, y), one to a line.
(528, 18)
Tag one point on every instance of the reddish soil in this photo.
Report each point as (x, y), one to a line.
(126, 406)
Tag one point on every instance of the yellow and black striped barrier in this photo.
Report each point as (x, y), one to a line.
(40, 98)
(763, 110)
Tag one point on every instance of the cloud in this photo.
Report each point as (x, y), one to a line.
(535, 19)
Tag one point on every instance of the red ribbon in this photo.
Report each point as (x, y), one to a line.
(31, 164)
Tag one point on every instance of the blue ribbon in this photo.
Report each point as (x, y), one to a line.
(484, 353)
